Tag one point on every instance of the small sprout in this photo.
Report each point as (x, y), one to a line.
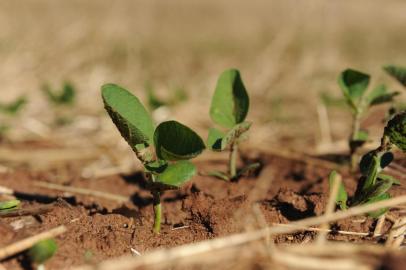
(342, 195)
(14, 107)
(354, 85)
(397, 72)
(164, 151)
(229, 108)
(9, 205)
(374, 185)
(63, 97)
(42, 252)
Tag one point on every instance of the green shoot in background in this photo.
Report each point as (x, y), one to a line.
(374, 184)
(9, 112)
(354, 85)
(164, 151)
(42, 252)
(229, 108)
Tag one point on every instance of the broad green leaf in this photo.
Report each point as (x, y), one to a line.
(380, 95)
(128, 114)
(176, 174)
(42, 251)
(380, 212)
(234, 134)
(395, 130)
(174, 141)
(214, 139)
(230, 101)
(353, 84)
(397, 72)
(14, 107)
(9, 204)
(342, 195)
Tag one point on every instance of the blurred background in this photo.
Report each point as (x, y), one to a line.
(170, 54)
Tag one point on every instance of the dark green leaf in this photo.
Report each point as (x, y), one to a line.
(42, 251)
(353, 84)
(397, 72)
(234, 134)
(174, 141)
(380, 95)
(342, 195)
(128, 114)
(214, 139)
(176, 174)
(395, 130)
(230, 101)
(66, 96)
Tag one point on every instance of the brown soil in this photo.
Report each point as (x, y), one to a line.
(283, 190)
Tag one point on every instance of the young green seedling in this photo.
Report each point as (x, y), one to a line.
(163, 151)
(10, 111)
(229, 108)
(354, 85)
(42, 252)
(374, 185)
(63, 97)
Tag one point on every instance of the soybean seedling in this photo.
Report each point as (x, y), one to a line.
(229, 108)
(354, 85)
(374, 185)
(42, 252)
(164, 151)
(10, 111)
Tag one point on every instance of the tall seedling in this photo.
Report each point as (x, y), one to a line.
(354, 85)
(163, 151)
(374, 184)
(229, 108)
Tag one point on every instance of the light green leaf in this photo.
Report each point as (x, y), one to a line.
(234, 134)
(128, 114)
(230, 101)
(42, 251)
(214, 139)
(380, 212)
(219, 175)
(342, 195)
(176, 174)
(353, 84)
(386, 177)
(397, 72)
(174, 141)
(362, 135)
(9, 204)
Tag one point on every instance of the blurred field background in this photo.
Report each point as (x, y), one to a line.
(287, 51)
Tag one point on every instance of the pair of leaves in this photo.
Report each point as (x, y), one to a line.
(219, 141)
(397, 72)
(173, 141)
(14, 107)
(65, 96)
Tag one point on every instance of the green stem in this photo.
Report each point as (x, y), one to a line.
(353, 149)
(233, 160)
(157, 211)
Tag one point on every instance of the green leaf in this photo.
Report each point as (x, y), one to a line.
(66, 96)
(234, 134)
(214, 139)
(42, 251)
(386, 177)
(9, 204)
(14, 107)
(395, 130)
(174, 141)
(361, 135)
(230, 101)
(397, 72)
(342, 195)
(128, 114)
(380, 212)
(176, 174)
(381, 161)
(353, 84)
(380, 95)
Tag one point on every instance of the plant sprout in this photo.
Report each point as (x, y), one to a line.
(9, 205)
(42, 252)
(373, 185)
(164, 151)
(229, 108)
(354, 85)
(11, 111)
(62, 97)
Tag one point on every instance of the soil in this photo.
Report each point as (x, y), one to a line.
(281, 191)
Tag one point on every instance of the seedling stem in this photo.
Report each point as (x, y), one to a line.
(233, 159)
(157, 211)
